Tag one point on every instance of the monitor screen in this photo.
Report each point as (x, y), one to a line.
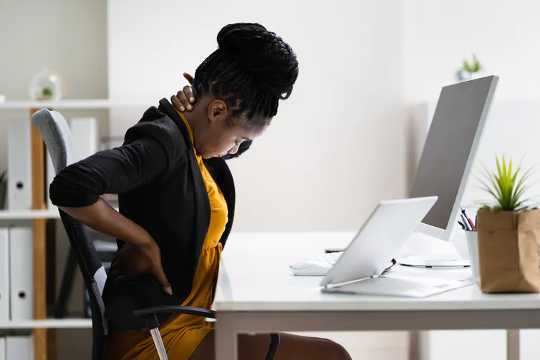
(449, 143)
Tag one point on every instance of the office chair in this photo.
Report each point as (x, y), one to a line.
(56, 134)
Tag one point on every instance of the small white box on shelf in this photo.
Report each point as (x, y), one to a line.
(2, 348)
(4, 274)
(85, 137)
(19, 176)
(21, 272)
(20, 347)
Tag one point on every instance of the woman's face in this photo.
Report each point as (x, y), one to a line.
(222, 135)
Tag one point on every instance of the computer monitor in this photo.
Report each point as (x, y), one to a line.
(449, 151)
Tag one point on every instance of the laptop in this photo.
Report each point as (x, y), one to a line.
(367, 264)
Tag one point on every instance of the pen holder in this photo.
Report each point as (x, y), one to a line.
(472, 245)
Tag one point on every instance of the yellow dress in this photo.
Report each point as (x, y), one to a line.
(182, 333)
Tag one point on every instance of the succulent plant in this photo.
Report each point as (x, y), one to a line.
(472, 67)
(507, 186)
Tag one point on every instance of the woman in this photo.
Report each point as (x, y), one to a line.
(176, 199)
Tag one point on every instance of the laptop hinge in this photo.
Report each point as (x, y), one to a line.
(381, 274)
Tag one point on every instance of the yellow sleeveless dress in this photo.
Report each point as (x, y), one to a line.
(182, 333)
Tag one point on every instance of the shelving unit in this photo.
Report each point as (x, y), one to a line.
(68, 104)
(60, 104)
(29, 214)
(37, 217)
(47, 324)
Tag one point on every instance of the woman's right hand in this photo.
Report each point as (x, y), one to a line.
(133, 260)
(184, 98)
(139, 255)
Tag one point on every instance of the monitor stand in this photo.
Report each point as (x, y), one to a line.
(422, 250)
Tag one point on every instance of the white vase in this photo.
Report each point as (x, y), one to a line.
(463, 75)
(45, 85)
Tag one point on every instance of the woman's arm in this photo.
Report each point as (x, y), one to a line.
(103, 218)
(77, 188)
(142, 256)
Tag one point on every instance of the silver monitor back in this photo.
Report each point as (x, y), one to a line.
(449, 151)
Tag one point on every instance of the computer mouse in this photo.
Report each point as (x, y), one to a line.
(310, 268)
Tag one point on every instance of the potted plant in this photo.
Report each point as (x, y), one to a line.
(469, 70)
(508, 233)
(45, 85)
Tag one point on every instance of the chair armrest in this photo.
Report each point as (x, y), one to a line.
(175, 308)
(153, 321)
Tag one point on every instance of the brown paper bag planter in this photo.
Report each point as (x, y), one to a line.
(509, 250)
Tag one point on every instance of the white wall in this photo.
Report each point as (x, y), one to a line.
(439, 34)
(336, 146)
(67, 36)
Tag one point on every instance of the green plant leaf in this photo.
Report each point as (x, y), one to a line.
(476, 64)
(466, 66)
(506, 185)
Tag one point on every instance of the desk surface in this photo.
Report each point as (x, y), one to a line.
(255, 276)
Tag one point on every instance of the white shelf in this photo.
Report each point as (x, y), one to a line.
(61, 104)
(29, 214)
(47, 323)
(68, 104)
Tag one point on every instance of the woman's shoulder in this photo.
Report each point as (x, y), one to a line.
(158, 126)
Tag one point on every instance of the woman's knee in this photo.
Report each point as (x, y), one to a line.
(337, 351)
(295, 346)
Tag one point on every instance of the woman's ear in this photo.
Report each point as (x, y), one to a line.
(217, 111)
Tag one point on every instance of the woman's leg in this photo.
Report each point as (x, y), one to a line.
(291, 347)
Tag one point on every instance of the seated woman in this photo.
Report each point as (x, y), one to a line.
(176, 199)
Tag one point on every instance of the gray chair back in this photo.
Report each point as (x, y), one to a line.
(56, 134)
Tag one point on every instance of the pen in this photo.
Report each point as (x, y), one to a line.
(465, 222)
(468, 220)
(462, 225)
(333, 250)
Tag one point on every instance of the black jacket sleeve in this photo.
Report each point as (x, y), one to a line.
(153, 146)
(117, 170)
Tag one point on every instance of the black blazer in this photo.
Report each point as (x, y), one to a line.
(161, 188)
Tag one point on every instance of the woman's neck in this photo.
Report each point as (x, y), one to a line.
(196, 119)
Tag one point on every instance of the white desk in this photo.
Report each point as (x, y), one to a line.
(256, 292)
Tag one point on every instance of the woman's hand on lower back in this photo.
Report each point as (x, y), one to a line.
(184, 99)
(133, 260)
(153, 254)
(140, 254)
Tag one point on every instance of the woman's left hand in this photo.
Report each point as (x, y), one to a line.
(184, 98)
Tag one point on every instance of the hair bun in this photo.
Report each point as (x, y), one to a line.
(262, 54)
(237, 39)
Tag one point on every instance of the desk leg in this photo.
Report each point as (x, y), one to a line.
(226, 338)
(512, 344)
(414, 345)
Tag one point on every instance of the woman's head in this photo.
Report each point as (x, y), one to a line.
(240, 85)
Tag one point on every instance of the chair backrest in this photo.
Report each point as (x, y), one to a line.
(56, 134)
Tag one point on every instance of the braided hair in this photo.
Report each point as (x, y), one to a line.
(251, 70)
